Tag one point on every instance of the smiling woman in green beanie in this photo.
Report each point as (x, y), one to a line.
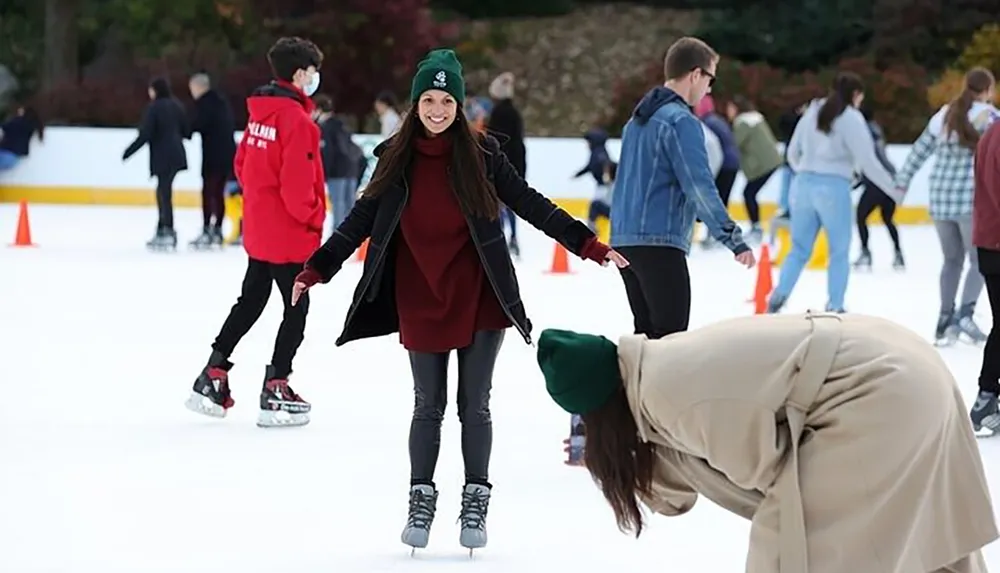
(438, 271)
(842, 438)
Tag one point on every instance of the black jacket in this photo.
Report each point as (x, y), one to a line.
(506, 120)
(164, 127)
(213, 119)
(340, 154)
(373, 310)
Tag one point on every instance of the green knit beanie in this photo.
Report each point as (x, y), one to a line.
(439, 70)
(581, 370)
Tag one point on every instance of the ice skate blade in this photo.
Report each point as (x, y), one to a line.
(281, 419)
(202, 405)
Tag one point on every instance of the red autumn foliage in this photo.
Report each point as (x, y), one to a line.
(896, 93)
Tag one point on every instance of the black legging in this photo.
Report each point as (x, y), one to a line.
(871, 198)
(989, 265)
(750, 196)
(724, 183)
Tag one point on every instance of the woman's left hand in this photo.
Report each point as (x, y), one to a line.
(616, 258)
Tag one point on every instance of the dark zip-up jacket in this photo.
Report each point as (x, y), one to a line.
(373, 310)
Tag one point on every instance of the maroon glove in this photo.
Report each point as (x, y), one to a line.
(595, 250)
(308, 277)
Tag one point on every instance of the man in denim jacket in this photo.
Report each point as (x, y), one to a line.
(664, 182)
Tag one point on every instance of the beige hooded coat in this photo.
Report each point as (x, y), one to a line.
(843, 438)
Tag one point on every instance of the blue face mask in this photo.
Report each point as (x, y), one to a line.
(312, 86)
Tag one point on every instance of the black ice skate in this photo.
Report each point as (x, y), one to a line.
(280, 406)
(217, 239)
(898, 263)
(947, 331)
(164, 240)
(515, 249)
(204, 241)
(475, 503)
(864, 261)
(985, 415)
(210, 394)
(423, 506)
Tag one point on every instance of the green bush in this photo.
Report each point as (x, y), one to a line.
(505, 8)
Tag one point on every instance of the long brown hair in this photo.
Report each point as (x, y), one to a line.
(620, 463)
(476, 195)
(977, 82)
(845, 85)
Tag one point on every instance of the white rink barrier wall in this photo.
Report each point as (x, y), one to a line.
(82, 165)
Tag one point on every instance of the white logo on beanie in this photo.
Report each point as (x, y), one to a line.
(439, 80)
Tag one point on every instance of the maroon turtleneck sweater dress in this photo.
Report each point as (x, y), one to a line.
(443, 296)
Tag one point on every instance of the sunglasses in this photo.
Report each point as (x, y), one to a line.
(711, 77)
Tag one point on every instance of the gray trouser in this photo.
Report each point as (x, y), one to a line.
(430, 390)
(956, 244)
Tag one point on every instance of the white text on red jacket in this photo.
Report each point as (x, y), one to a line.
(258, 134)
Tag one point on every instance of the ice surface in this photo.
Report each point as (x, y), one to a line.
(103, 470)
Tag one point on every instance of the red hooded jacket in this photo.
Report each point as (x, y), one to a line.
(279, 167)
(986, 201)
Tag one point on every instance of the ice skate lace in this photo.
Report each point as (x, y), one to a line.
(474, 506)
(283, 391)
(421, 510)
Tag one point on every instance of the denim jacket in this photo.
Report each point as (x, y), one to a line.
(664, 180)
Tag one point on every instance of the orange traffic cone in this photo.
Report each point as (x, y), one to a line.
(362, 252)
(22, 237)
(560, 261)
(764, 281)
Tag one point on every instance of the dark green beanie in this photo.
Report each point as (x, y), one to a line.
(439, 70)
(581, 370)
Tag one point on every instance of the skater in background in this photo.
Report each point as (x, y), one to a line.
(213, 120)
(662, 183)
(950, 137)
(787, 123)
(830, 140)
(729, 167)
(439, 273)
(781, 420)
(507, 125)
(600, 205)
(164, 128)
(16, 134)
(986, 236)
(759, 157)
(340, 159)
(386, 107)
(871, 198)
(284, 206)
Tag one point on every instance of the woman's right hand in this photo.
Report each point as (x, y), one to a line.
(303, 282)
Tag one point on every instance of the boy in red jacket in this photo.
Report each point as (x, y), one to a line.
(986, 236)
(279, 167)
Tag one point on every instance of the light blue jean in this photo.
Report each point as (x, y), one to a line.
(342, 194)
(786, 184)
(819, 201)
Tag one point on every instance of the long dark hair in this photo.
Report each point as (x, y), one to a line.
(845, 85)
(620, 463)
(977, 82)
(476, 195)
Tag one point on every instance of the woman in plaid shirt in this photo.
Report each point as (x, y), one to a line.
(951, 136)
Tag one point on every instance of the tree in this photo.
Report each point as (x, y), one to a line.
(792, 34)
(368, 46)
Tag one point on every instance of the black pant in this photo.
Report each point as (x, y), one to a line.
(750, 196)
(430, 395)
(724, 183)
(989, 377)
(250, 305)
(873, 198)
(213, 199)
(165, 201)
(658, 288)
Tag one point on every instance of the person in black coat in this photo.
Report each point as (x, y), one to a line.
(507, 124)
(164, 128)
(213, 119)
(439, 273)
